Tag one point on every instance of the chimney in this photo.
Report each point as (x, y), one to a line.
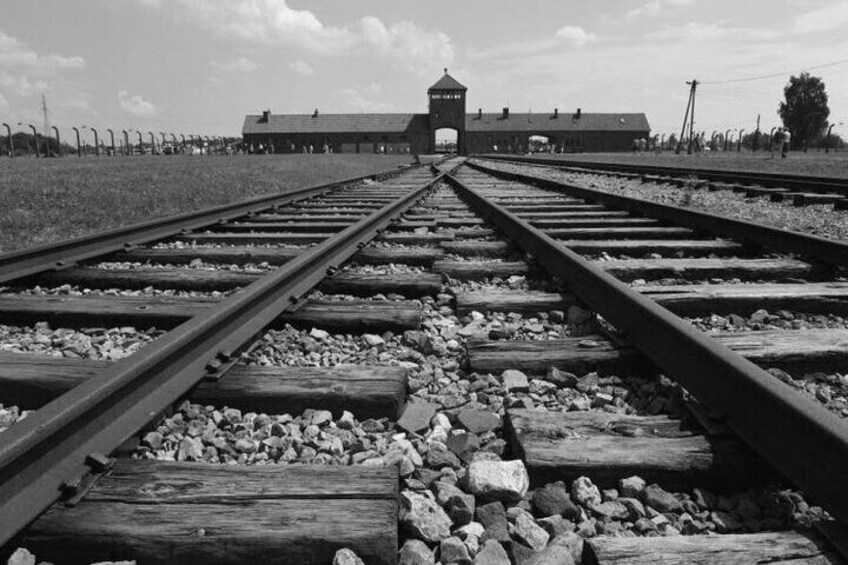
(266, 116)
(315, 113)
(479, 113)
(506, 113)
(556, 113)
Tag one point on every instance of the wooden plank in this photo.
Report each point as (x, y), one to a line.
(701, 269)
(768, 547)
(641, 247)
(304, 216)
(523, 302)
(366, 391)
(271, 227)
(808, 198)
(480, 270)
(744, 299)
(410, 285)
(415, 238)
(166, 312)
(356, 316)
(253, 238)
(755, 191)
(543, 214)
(492, 249)
(417, 256)
(568, 354)
(608, 447)
(30, 381)
(473, 233)
(137, 279)
(524, 208)
(195, 513)
(229, 255)
(623, 233)
(458, 222)
(782, 196)
(595, 223)
(800, 352)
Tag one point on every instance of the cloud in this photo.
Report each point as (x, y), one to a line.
(301, 67)
(135, 104)
(240, 65)
(656, 8)
(695, 31)
(830, 17)
(407, 45)
(274, 23)
(367, 98)
(575, 35)
(14, 54)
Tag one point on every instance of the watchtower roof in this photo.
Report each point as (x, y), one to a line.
(447, 82)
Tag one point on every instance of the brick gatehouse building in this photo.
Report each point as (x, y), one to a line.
(477, 132)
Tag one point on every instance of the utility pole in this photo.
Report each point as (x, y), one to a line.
(689, 116)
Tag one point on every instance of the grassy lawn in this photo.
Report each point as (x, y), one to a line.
(47, 200)
(815, 163)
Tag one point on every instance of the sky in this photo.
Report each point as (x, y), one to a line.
(198, 66)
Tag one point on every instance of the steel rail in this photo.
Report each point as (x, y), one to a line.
(41, 453)
(799, 437)
(35, 260)
(801, 182)
(830, 251)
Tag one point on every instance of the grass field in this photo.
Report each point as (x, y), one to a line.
(47, 200)
(815, 163)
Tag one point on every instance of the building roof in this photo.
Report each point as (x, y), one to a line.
(419, 123)
(447, 82)
(546, 122)
(336, 123)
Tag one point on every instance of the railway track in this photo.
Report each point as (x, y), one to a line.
(463, 386)
(801, 190)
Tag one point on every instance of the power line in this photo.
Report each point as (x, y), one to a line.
(776, 75)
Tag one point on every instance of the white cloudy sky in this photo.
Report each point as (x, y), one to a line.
(197, 66)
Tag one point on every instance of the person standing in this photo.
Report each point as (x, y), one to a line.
(787, 137)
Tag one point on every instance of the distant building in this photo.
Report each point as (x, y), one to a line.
(502, 132)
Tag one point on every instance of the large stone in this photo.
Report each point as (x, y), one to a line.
(346, 556)
(631, 487)
(491, 553)
(415, 552)
(452, 550)
(423, 518)
(440, 456)
(515, 381)
(416, 416)
(493, 517)
(463, 443)
(552, 499)
(562, 379)
(553, 554)
(660, 500)
(573, 542)
(458, 505)
(479, 421)
(529, 532)
(584, 492)
(507, 481)
(21, 556)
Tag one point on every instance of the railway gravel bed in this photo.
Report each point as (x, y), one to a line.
(469, 492)
(816, 219)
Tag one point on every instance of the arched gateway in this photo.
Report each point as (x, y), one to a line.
(478, 132)
(447, 110)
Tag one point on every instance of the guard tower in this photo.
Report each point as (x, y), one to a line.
(447, 110)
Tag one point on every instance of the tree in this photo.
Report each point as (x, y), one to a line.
(804, 111)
